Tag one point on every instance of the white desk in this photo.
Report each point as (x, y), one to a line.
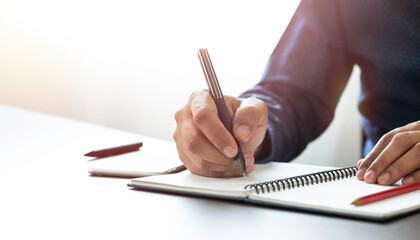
(47, 193)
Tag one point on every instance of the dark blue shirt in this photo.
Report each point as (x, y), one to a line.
(313, 60)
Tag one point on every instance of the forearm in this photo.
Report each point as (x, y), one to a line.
(303, 81)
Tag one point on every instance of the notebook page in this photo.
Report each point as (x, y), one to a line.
(186, 181)
(336, 196)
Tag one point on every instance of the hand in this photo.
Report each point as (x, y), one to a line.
(206, 147)
(395, 156)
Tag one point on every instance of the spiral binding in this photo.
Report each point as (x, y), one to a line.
(303, 180)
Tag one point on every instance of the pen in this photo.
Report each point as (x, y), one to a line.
(132, 174)
(386, 194)
(114, 150)
(222, 110)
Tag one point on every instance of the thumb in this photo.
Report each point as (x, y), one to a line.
(250, 123)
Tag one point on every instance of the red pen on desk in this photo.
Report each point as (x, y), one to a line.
(115, 150)
(386, 194)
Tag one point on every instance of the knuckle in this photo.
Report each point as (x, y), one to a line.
(192, 143)
(413, 126)
(364, 165)
(175, 136)
(203, 164)
(200, 116)
(258, 102)
(249, 115)
(385, 139)
(402, 139)
(194, 94)
(249, 110)
(198, 93)
(368, 159)
(379, 163)
(245, 117)
(417, 149)
(178, 115)
(233, 102)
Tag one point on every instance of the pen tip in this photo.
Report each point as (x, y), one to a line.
(89, 154)
(244, 174)
(356, 202)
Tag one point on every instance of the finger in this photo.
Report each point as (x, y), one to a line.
(250, 117)
(250, 168)
(358, 163)
(216, 174)
(205, 117)
(195, 159)
(415, 126)
(233, 172)
(385, 140)
(191, 140)
(412, 177)
(227, 174)
(379, 147)
(399, 145)
(201, 163)
(201, 166)
(195, 143)
(208, 166)
(406, 164)
(250, 163)
(187, 162)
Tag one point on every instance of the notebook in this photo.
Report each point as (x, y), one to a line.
(293, 186)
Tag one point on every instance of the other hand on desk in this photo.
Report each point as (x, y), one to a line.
(395, 156)
(206, 147)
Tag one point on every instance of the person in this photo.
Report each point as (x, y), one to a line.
(306, 74)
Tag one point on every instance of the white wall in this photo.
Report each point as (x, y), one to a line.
(131, 64)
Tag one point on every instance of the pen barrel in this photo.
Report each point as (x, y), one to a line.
(396, 191)
(223, 113)
(115, 150)
(224, 117)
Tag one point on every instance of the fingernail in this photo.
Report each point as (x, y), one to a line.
(229, 151)
(384, 178)
(370, 176)
(408, 180)
(359, 162)
(243, 131)
(361, 173)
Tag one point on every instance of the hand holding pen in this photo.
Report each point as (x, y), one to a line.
(205, 145)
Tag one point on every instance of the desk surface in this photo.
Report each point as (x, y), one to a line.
(47, 193)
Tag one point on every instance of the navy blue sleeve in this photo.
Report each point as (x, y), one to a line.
(304, 79)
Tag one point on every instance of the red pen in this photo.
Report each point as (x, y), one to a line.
(115, 150)
(387, 194)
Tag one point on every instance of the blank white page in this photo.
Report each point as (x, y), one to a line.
(336, 196)
(186, 181)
